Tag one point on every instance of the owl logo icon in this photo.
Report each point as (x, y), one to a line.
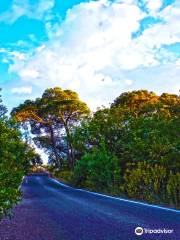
(139, 231)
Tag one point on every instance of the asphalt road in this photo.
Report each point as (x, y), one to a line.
(53, 211)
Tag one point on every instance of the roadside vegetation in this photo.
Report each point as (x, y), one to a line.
(130, 149)
(16, 157)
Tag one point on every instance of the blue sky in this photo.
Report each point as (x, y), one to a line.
(97, 48)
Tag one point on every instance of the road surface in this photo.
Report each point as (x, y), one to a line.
(53, 211)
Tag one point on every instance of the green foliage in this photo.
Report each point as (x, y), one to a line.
(137, 102)
(16, 157)
(15, 160)
(131, 148)
(173, 189)
(63, 174)
(151, 139)
(139, 128)
(105, 125)
(152, 183)
(97, 170)
(145, 182)
(146, 103)
(54, 114)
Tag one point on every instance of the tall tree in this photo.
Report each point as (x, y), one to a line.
(51, 118)
(66, 109)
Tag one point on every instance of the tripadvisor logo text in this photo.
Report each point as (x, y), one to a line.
(139, 231)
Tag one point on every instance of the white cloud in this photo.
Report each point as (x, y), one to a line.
(40, 10)
(92, 51)
(2, 50)
(17, 55)
(28, 73)
(153, 5)
(166, 32)
(128, 82)
(22, 90)
(5, 60)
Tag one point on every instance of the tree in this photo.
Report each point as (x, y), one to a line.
(146, 103)
(137, 102)
(16, 157)
(139, 128)
(51, 118)
(105, 125)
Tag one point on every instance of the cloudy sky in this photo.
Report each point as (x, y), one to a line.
(97, 48)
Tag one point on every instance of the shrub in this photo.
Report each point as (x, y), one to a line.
(146, 182)
(173, 189)
(97, 170)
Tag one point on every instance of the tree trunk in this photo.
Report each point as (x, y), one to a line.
(70, 151)
(58, 162)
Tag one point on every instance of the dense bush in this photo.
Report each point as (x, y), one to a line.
(152, 183)
(146, 182)
(97, 170)
(173, 189)
(151, 139)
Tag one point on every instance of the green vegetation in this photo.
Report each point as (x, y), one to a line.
(97, 170)
(15, 159)
(130, 149)
(53, 114)
(142, 131)
(145, 182)
(63, 174)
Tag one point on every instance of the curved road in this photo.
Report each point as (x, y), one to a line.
(53, 211)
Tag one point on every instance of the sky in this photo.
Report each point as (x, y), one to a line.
(97, 48)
